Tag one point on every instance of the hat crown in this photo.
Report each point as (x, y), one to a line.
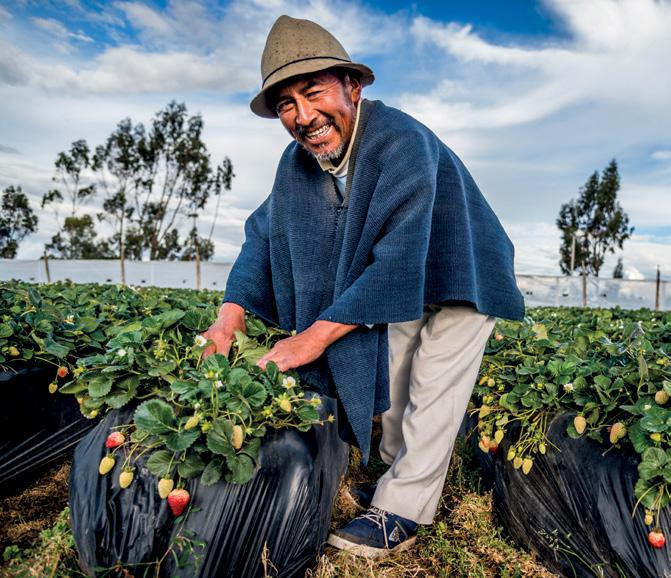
(293, 40)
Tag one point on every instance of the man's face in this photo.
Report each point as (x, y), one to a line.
(319, 111)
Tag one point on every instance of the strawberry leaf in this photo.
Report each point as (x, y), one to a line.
(219, 438)
(212, 472)
(155, 417)
(160, 463)
(241, 469)
(178, 441)
(192, 466)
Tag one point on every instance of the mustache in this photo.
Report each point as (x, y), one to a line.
(301, 130)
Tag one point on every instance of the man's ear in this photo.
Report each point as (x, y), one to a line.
(353, 84)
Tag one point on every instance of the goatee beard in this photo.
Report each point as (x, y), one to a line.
(328, 156)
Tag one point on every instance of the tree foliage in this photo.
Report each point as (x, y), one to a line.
(592, 225)
(76, 237)
(17, 220)
(156, 180)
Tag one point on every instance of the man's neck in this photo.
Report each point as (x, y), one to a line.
(338, 167)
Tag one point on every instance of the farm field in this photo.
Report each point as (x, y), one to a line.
(598, 379)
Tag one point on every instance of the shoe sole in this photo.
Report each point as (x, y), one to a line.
(368, 551)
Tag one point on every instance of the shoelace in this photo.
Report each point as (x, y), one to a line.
(379, 518)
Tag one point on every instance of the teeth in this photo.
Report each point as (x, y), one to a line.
(319, 132)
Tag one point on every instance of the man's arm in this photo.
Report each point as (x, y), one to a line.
(305, 347)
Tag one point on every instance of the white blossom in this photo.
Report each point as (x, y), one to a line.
(200, 341)
(288, 382)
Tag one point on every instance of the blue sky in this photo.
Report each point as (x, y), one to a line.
(533, 95)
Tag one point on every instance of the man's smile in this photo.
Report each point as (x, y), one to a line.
(314, 136)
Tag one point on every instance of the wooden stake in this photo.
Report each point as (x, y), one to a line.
(46, 267)
(657, 287)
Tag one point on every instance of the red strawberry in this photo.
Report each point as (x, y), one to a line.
(62, 371)
(178, 500)
(656, 539)
(114, 440)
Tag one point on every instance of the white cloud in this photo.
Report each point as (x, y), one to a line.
(661, 155)
(190, 46)
(531, 119)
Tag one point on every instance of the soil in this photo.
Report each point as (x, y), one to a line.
(29, 509)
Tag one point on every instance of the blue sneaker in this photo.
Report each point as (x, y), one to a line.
(375, 534)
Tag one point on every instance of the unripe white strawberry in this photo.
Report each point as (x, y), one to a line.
(617, 431)
(165, 486)
(237, 437)
(106, 465)
(125, 479)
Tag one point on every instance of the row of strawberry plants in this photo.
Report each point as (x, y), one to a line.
(114, 346)
(611, 368)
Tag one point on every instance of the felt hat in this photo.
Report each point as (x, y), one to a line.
(295, 47)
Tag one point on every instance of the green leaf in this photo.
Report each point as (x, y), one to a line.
(239, 377)
(74, 387)
(100, 386)
(241, 469)
(212, 472)
(160, 463)
(219, 437)
(88, 324)
(155, 417)
(182, 387)
(655, 420)
(6, 330)
(162, 368)
(652, 464)
(198, 320)
(179, 441)
(640, 439)
(643, 490)
(252, 448)
(119, 398)
(308, 413)
(217, 363)
(272, 371)
(255, 326)
(56, 349)
(602, 381)
(192, 466)
(255, 394)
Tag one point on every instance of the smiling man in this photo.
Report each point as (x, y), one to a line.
(377, 247)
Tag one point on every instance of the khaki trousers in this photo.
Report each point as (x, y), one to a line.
(433, 366)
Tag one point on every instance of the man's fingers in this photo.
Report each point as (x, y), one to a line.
(222, 346)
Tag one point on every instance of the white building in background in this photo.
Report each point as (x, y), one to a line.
(538, 290)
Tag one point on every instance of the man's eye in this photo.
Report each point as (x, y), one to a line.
(283, 107)
(313, 93)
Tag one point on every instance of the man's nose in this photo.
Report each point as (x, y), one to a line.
(305, 112)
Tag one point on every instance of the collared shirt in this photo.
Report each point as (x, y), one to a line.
(340, 172)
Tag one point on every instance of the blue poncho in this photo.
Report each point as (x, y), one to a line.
(411, 229)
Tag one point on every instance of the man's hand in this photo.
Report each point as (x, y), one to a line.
(231, 318)
(305, 347)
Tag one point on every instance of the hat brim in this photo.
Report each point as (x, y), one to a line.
(260, 104)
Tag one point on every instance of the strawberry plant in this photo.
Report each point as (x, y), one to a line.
(195, 416)
(611, 368)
